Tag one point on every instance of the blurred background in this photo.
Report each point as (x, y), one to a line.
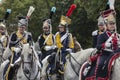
(84, 17)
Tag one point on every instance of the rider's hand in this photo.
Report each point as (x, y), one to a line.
(2, 38)
(108, 45)
(69, 50)
(17, 50)
(53, 47)
(47, 48)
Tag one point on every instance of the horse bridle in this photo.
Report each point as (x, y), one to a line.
(72, 65)
(31, 66)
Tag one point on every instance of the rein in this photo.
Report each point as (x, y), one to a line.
(73, 66)
(28, 77)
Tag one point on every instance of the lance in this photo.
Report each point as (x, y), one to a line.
(8, 12)
(53, 9)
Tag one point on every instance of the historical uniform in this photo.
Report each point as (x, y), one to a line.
(3, 36)
(46, 40)
(107, 43)
(64, 40)
(16, 40)
(101, 29)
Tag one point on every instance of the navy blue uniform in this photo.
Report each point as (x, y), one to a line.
(16, 38)
(42, 44)
(106, 54)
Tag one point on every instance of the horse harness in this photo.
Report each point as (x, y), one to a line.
(28, 77)
(73, 66)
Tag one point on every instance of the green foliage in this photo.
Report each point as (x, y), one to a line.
(84, 18)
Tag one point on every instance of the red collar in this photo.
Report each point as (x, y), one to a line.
(108, 33)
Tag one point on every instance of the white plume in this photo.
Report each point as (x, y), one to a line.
(111, 4)
(30, 11)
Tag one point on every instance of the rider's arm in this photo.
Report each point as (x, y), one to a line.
(41, 41)
(13, 39)
(101, 41)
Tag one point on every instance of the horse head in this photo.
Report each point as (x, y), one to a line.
(27, 57)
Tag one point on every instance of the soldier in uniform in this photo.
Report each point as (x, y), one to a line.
(3, 35)
(46, 40)
(101, 29)
(107, 43)
(64, 41)
(21, 36)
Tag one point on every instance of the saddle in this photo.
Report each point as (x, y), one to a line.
(88, 71)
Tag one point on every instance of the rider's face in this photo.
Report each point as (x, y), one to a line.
(111, 26)
(101, 27)
(45, 28)
(2, 30)
(21, 29)
(61, 29)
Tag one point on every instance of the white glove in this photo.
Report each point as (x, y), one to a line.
(69, 50)
(48, 48)
(17, 50)
(54, 46)
(2, 38)
(108, 45)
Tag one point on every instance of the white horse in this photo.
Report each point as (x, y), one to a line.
(29, 68)
(74, 63)
(77, 59)
(1, 53)
(115, 70)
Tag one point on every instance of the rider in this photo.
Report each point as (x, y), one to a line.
(46, 40)
(101, 29)
(64, 41)
(3, 35)
(21, 36)
(107, 43)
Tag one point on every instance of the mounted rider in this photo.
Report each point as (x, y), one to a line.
(101, 29)
(107, 44)
(21, 36)
(3, 35)
(64, 40)
(46, 40)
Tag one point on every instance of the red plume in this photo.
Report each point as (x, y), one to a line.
(72, 7)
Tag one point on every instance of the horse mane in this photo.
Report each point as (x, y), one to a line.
(82, 55)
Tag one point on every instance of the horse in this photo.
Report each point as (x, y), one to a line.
(1, 52)
(29, 68)
(114, 69)
(77, 59)
(74, 63)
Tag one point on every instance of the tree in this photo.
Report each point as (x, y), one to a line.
(84, 18)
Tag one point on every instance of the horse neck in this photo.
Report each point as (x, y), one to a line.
(115, 70)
